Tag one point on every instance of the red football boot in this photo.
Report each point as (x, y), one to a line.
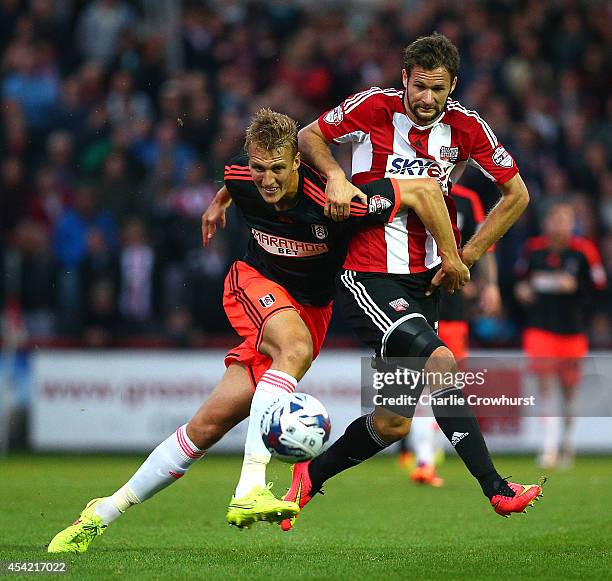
(300, 491)
(524, 495)
(426, 474)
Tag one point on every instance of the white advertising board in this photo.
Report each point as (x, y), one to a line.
(131, 400)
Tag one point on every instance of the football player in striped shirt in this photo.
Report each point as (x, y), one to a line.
(409, 134)
(453, 329)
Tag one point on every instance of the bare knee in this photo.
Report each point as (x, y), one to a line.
(439, 365)
(205, 432)
(287, 341)
(294, 355)
(391, 427)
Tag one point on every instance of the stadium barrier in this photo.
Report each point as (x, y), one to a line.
(128, 401)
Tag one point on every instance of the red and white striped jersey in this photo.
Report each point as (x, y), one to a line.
(386, 143)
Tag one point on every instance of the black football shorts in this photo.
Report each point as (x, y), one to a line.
(375, 304)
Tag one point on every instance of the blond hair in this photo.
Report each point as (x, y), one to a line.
(271, 131)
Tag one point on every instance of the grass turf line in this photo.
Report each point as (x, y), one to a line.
(372, 522)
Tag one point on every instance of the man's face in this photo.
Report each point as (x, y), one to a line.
(273, 171)
(559, 222)
(426, 93)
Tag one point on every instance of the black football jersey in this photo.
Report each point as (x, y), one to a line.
(552, 310)
(300, 248)
(470, 215)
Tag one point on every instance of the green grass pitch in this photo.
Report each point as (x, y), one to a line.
(372, 523)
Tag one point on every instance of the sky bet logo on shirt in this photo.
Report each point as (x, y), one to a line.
(418, 168)
(501, 157)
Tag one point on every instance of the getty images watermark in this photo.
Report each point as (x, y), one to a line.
(501, 386)
(411, 379)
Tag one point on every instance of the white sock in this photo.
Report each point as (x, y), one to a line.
(568, 438)
(550, 426)
(165, 465)
(422, 439)
(273, 385)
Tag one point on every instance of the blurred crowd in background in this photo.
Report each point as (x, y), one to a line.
(118, 116)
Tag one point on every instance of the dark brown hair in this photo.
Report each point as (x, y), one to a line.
(272, 131)
(431, 52)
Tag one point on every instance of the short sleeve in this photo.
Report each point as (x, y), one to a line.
(237, 170)
(596, 270)
(488, 154)
(350, 121)
(383, 202)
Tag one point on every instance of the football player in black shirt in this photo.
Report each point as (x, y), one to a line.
(560, 273)
(279, 300)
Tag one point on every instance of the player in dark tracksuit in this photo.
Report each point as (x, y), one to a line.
(559, 275)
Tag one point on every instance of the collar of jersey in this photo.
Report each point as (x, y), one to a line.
(422, 127)
(425, 127)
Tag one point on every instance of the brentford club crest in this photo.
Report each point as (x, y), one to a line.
(449, 154)
(267, 300)
(399, 305)
(319, 231)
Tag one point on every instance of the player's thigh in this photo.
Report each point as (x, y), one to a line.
(250, 300)
(570, 374)
(285, 331)
(385, 309)
(228, 404)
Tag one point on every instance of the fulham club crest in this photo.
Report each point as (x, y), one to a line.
(319, 231)
(267, 300)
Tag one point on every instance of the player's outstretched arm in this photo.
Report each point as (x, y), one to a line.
(504, 214)
(339, 190)
(426, 199)
(215, 214)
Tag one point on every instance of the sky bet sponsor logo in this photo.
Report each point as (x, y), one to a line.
(418, 168)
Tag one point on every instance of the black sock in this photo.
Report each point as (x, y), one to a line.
(456, 420)
(358, 443)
